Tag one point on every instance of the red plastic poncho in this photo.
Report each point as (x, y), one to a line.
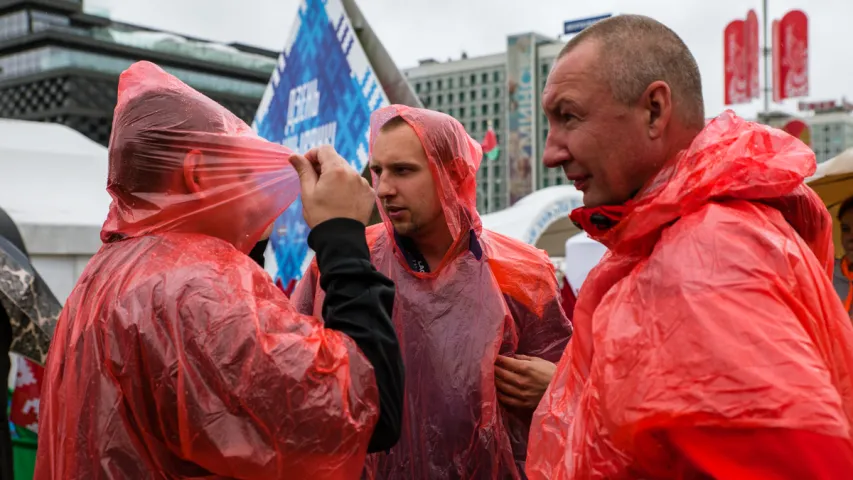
(453, 323)
(175, 355)
(709, 335)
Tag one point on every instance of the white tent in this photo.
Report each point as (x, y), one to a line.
(833, 182)
(53, 185)
(582, 255)
(540, 219)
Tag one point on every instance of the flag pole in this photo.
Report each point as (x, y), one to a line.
(768, 88)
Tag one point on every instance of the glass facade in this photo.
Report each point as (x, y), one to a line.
(25, 22)
(51, 58)
(475, 108)
(15, 24)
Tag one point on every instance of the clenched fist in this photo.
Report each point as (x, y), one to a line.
(331, 188)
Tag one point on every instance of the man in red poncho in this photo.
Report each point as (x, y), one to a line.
(466, 299)
(175, 355)
(709, 342)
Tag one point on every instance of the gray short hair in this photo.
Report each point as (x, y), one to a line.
(638, 50)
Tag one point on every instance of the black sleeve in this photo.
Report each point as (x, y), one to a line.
(359, 302)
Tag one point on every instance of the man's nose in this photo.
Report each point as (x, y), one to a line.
(384, 187)
(556, 153)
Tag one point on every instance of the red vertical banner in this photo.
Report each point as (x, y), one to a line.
(735, 63)
(753, 56)
(793, 50)
(776, 49)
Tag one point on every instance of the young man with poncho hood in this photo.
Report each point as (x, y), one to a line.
(709, 342)
(474, 310)
(176, 356)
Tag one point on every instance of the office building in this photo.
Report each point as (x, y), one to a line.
(831, 134)
(60, 64)
(503, 90)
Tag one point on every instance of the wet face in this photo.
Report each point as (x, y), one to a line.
(602, 145)
(847, 234)
(404, 182)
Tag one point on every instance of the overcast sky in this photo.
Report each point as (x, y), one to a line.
(441, 29)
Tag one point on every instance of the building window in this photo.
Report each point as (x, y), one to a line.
(484, 125)
(14, 25)
(449, 98)
(496, 76)
(496, 123)
(545, 69)
(461, 112)
(485, 77)
(438, 84)
(496, 108)
(439, 99)
(449, 83)
(450, 111)
(484, 94)
(473, 128)
(43, 20)
(473, 94)
(497, 92)
(418, 87)
(473, 79)
(429, 86)
(484, 109)
(461, 96)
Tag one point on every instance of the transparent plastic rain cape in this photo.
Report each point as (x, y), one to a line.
(175, 355)
(490, 295)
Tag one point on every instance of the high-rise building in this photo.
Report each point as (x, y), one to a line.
(60, 64)
(831, 134)
(503, 90)
(830, 125)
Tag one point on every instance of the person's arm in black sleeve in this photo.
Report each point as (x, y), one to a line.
(359, 302)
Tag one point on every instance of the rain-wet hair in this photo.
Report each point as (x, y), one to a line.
(634, 52)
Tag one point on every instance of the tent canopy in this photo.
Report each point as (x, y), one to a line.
(833, 182)
(53, 186)
(540, 219)
(582, 255)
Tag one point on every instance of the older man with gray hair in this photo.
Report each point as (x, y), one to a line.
(709, 342)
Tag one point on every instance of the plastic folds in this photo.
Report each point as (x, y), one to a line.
(175, 355)
(491, 295)
(714, 312)
(180, 162)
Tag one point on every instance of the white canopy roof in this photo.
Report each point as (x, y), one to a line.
(540, 214)
(582, 255)
(53, 185)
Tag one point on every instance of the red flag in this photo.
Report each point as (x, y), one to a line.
(799, 129)
(490, 141)
(735, 59)
(25, 398)
(792, 43)
(752, 56)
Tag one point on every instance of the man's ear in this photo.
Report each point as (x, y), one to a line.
(193, 162)
(657, 100)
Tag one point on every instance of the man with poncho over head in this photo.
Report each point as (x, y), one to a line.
(709, 342)
(467, 298)
(175, 355)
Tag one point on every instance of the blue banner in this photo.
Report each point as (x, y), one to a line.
(322, 92)
(575, 26)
